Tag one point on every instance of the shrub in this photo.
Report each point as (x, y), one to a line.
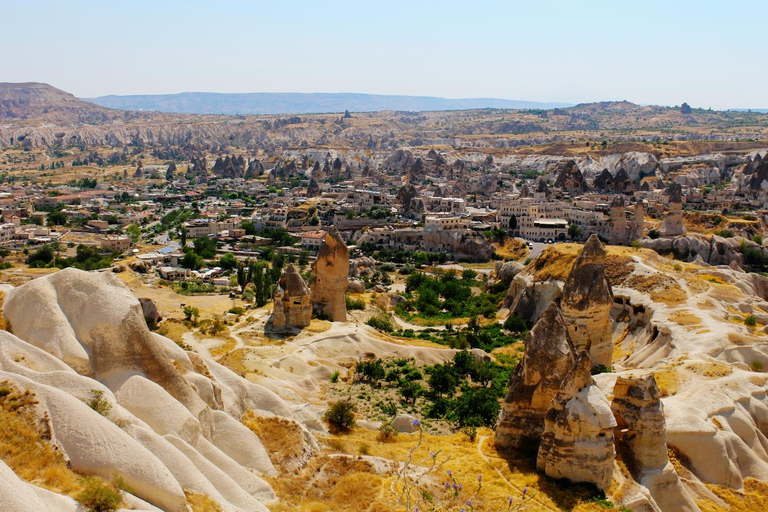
(470, 432)
(527, 261)
(636, 244)
(751, 321)
(653, 234)
(98, 496)
(370, 371)
(340, 416)
(754, 257)
(98, 403)
(601, 368)
(353, 304)
(410, 391)
(387, 433)
(364, 449)
(515, 324)
(476, 407)
(725, 233)
(757, 239)
(382, 322)
(191, 313)
(335, 377)
(757, 365)
(237, 310)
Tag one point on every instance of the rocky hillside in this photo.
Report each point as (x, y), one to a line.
(42, 102)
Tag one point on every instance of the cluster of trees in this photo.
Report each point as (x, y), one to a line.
(474, 335)
(464, 391)
(447, 296)
(418, 258)
(204, 248)
(257, 279)
(87, 257)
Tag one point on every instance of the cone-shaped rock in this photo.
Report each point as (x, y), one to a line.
(548, 357)
(586, 303)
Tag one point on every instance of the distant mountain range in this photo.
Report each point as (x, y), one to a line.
(302, 103)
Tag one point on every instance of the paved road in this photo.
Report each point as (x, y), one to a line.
(536, 248)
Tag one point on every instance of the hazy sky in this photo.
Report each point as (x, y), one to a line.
(706, 52)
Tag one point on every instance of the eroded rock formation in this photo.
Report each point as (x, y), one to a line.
(292, 304)
(548, 357)
(641, 438)
(673, 222)
(329, 277)
(577, 442)
(571, 179)
(586, 304)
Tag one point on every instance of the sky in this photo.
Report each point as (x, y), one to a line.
(708, 53)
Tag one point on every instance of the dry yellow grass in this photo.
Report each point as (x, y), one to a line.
(235, 361)
(754, 498)
(554, 262)
(3, 323)
(201, 502)
(668, 381)
(173, 329)
(223, 348)
(512, 249)
(349, 484)
(282, 438)
(686, 319)
(25, 444)
(660, 287)
(318, 326)
(710, 369)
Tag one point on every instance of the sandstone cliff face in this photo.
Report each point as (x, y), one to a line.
(577, 442)
(586, 303)
(548, 357)
(329, 277)
(292, 305)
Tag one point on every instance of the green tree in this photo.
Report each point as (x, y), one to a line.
(192, 261)
(228, 261)
(191, 313)
(340, 416)
(443, 379)
(205, 247)
(574, 232)
(57, 218)
(513, 222)
(41, 257)
(134, 232)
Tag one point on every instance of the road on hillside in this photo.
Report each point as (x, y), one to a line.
(535, 247)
